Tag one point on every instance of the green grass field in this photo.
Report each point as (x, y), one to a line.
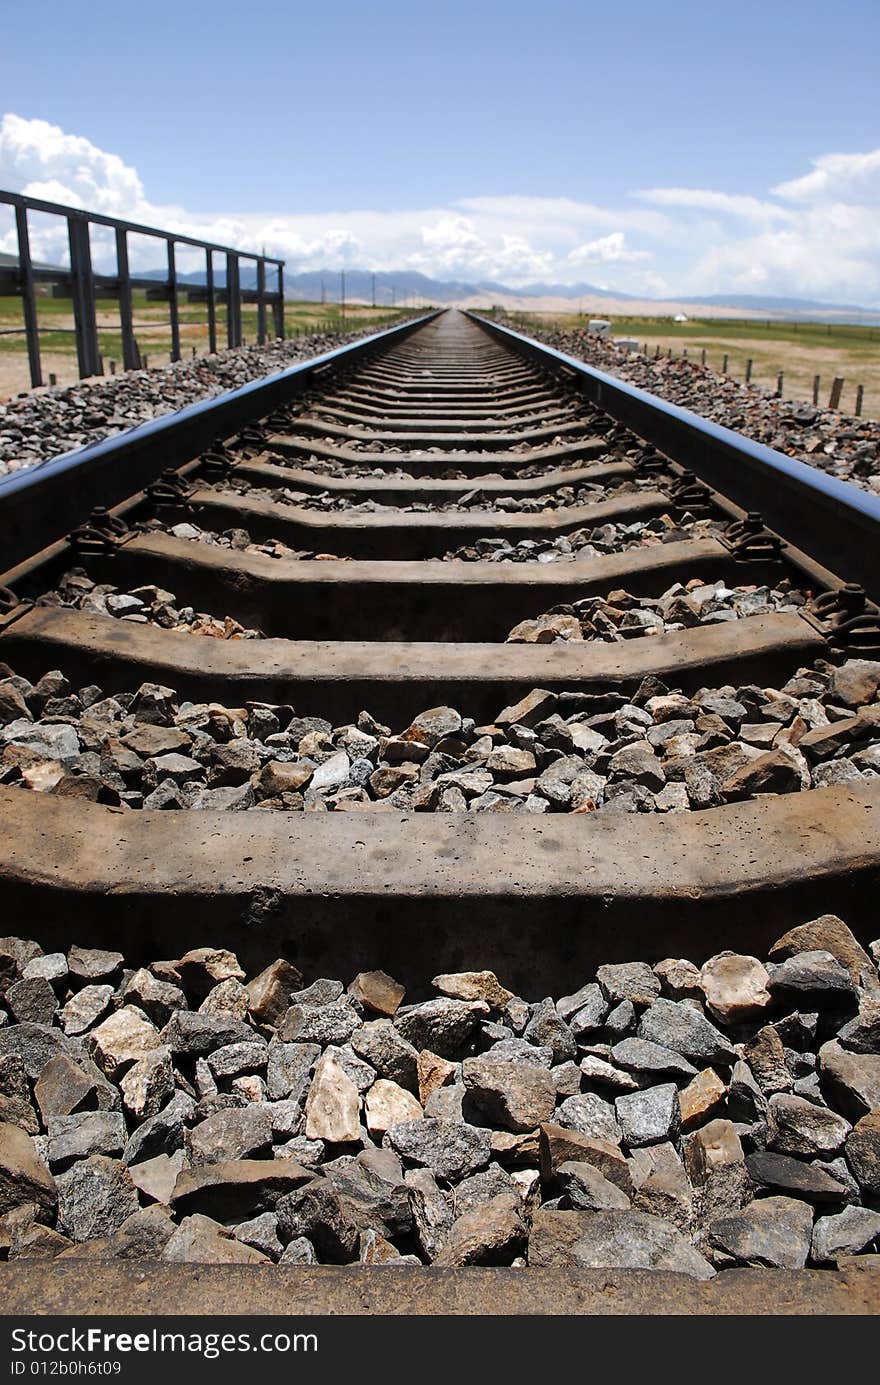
(801, 350)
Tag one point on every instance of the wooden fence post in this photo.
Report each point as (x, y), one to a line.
(836, 391)
(724, 364)
(779, 380)
(748, 370)
(860, 399)
(817, 380)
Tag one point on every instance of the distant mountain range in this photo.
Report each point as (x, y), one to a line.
(398, 286)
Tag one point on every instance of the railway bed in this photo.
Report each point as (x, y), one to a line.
(442, 656)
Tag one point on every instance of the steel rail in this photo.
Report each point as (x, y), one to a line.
(837, 524)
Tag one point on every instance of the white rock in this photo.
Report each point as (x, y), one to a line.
(388, 1104)
(333, 1104)
(735, 986)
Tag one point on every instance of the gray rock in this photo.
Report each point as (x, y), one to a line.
(318, 1212)
(324, 991)
(87, 1132)
(288, 1068)
(589, 1115)
(85, 1008)
(850, 1080)
(319, 1024)
(261, 1232)
(638, 1055)
(142, 1236)
(849, 1232)
(779, 1172)
(649, 1117)
(567, 1078)
(661, 1185)
(36, 1044)
(52, 966)
(612, 1240)
(431, 1211)
(304, 1151)
(230, 1134)
(234, 1059)
(194, 1035)
(481, 1188)
(510, 1096)
(447, 1103)
(773, 1231)
(633, 981)
(621, 1020)
(519, 1051)
(676, 1025)
(816, 979)
(745, 1100)
(443, 1025)
(95, 1196)
(587, 1190)
(162, 1133)
(862, 1033)
(547, 1029)
(797, 1126)
(450, 1149)
(386, 1050)
(88, 964)
(52, 742)
(32, 1000)
(590, 1013)
(589, 996)
(158, 999)
(374, 1197)
(299, 1251)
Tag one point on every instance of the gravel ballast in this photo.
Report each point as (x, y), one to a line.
(656, 750)
(666, 1116)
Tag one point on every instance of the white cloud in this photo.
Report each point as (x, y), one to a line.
(837, 177)
(814, 235)
(610, 249)
(40, 159)
(749, 208)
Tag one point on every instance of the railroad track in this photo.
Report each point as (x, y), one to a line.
(578, 676)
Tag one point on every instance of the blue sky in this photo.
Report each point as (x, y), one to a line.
(655, 148)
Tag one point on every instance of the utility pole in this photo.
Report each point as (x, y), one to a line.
(373, 279)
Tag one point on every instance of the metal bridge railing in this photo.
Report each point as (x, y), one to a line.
(85, 286)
